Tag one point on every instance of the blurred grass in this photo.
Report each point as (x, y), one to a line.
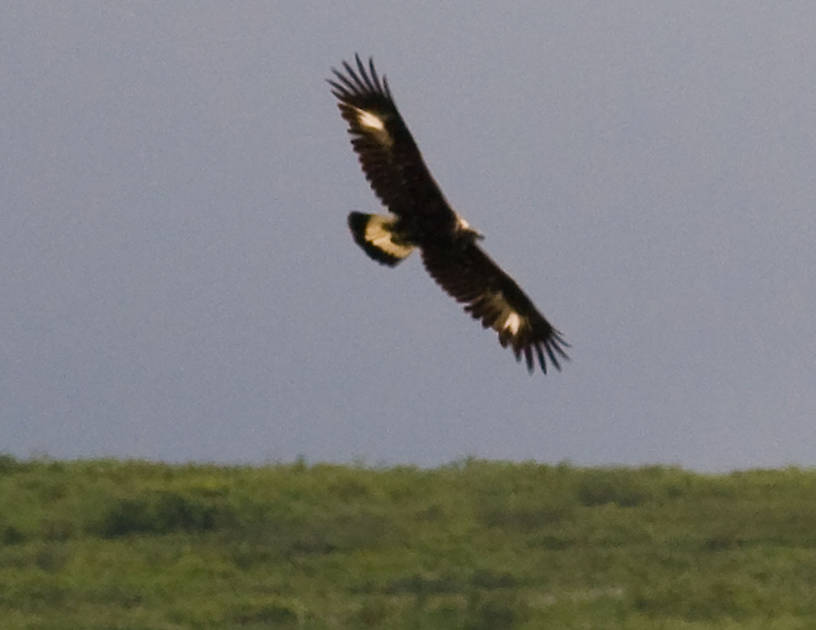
(475, 544)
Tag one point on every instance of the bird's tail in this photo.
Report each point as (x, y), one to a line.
(376, 235)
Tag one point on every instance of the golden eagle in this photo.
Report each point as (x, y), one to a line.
(421, 217)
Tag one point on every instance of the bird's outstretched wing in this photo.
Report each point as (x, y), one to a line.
(493, 297)
(388, 154)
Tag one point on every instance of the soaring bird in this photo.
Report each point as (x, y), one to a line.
(420, 217)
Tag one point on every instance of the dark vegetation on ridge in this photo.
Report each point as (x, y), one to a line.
(475, 544)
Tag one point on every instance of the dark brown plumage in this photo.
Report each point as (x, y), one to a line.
(423, 218)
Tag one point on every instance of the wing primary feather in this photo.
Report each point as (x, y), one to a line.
(364, 74)
(560, 342)
(528, 356)
(541, 360)
(359, 81)
(553, 359)
(349, 70)
(373, 72)
(350, 78)
(360, 85)
(346, 91)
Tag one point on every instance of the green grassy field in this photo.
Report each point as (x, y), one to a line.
(476, 544)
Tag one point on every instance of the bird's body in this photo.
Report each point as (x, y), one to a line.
(422, 218)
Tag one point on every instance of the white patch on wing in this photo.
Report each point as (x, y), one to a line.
(507, 318)
(512, 323)
(367, 119)
(378, 233)
(374, 126)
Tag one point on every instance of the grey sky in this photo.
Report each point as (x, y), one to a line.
(178, 282)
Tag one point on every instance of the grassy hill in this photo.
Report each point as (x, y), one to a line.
(476, 544)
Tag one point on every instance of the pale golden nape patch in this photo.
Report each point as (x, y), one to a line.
(378, 233)
(461, 222)
(463, 226)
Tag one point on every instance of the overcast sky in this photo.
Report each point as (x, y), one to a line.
(177, 281)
